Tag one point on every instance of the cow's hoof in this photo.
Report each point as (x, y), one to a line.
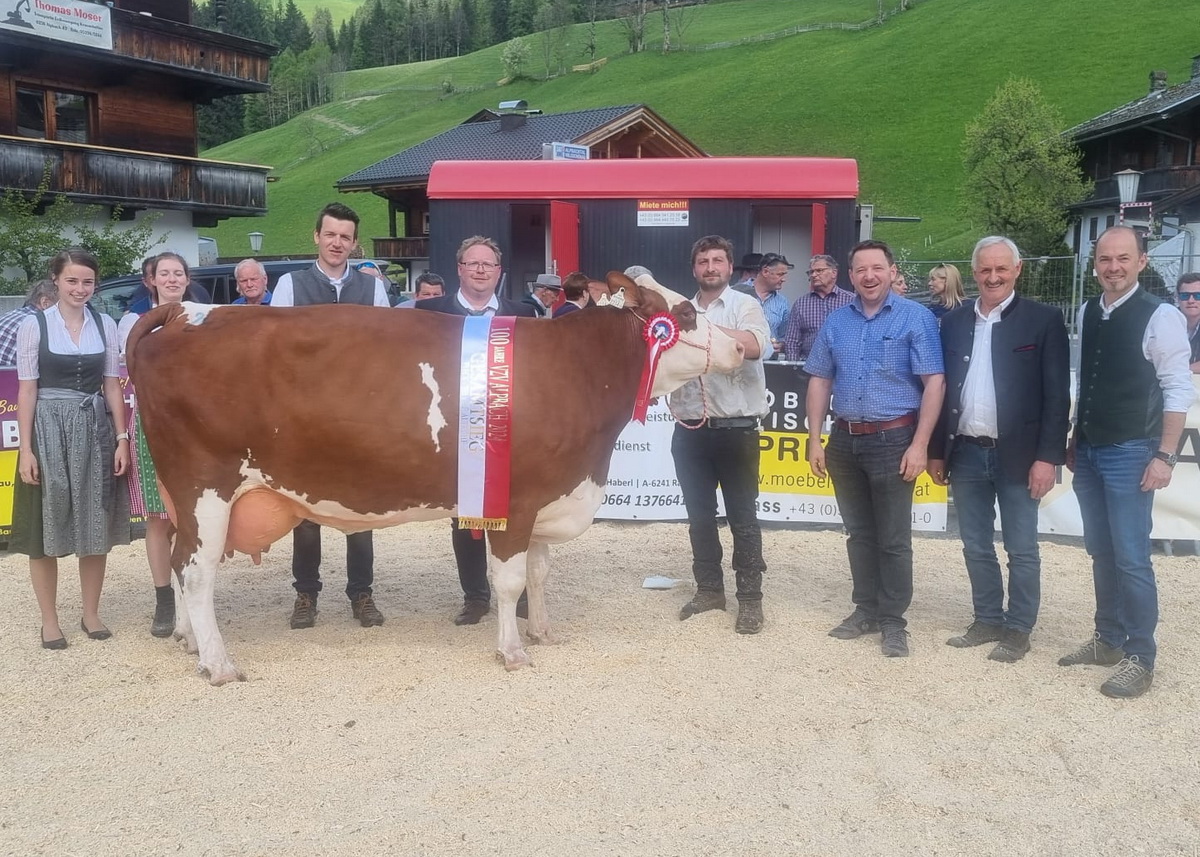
(515, 660)
(223, 674)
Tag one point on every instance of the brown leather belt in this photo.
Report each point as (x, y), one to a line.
(874, 428)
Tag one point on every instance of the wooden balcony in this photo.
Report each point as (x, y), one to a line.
(1155, 185)
(216, 63)
(134, 180)
(401, 249)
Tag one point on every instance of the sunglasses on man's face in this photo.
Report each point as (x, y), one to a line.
(1189, 296)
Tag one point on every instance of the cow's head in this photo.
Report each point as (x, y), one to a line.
(701, 348)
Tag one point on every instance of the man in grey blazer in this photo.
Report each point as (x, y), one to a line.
(1001, 435)
(478, 275)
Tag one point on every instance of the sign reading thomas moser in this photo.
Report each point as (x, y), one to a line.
(662, 212)
(87, 24)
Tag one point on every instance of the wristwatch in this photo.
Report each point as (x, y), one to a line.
(1169, 457)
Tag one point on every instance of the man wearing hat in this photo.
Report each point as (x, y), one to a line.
(745, 273)
(543, 293)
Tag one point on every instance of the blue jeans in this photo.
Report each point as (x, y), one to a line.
(1117, 517)
(978, 484)
(876, 507)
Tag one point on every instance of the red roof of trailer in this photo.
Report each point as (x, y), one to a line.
(626, 178)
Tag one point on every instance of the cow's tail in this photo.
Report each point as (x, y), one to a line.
(160, 316)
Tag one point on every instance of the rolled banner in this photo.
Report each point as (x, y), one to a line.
(661, 332)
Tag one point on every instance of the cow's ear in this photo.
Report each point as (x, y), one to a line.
(617, 281)
(686, 314)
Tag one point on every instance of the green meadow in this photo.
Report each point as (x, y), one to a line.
(895, 97)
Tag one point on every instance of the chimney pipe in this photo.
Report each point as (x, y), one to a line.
(1158, 81)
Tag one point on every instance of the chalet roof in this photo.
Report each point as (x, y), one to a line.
(481, 138)
(1156, 105)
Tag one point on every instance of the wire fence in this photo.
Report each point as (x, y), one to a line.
(1052, 280)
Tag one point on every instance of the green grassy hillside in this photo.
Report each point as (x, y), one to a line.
(895, 97)
(339, 10)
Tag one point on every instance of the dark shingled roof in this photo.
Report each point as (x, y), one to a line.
(483, 140)
(1160, 104)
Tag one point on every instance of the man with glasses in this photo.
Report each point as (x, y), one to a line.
(809, 311)
(1135, 388)
(772, 273)
(251, 279)
(478, 275)
(1187, 292)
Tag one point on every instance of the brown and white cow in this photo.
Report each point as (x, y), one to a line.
(258, 417)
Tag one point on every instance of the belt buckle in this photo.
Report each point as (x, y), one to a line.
(850, 427)
(987, 442)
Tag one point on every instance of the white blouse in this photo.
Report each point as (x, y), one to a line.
(29, 340)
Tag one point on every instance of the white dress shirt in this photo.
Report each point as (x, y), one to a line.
(979, 417)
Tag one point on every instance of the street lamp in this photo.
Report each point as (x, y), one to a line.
(257, 237)
(1127, 185)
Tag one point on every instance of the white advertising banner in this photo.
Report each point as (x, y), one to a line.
(1176, 507)
(80, 23)
(642, 484)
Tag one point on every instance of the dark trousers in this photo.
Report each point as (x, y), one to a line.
(470, 554)
(876, 507)
(306, 560)
(705, 459)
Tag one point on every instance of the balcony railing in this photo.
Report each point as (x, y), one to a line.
(1155, 185)
(221, 64)
(401, 248)
(94, 174)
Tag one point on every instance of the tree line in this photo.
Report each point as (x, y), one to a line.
(390, 32)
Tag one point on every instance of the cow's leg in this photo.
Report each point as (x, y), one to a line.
(200, 544)
(508, 579)
(537, 569)
(183, 619)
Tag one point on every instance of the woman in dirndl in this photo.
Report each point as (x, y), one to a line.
(70, 496)
(168, 283)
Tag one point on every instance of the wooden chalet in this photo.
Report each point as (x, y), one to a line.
(1153, 141)
(519, 134)
(104, 96)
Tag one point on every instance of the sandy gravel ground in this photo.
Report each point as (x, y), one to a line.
(640, 735)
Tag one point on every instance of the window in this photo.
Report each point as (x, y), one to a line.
(1094, 229)
(1110, 221)
(50, 115)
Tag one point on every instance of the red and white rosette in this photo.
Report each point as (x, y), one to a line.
(660, 333)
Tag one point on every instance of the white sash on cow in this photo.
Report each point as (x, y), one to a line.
(484, 423)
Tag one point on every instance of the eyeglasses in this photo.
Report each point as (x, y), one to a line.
(812, 271)
(480, 266)
(1189, 296)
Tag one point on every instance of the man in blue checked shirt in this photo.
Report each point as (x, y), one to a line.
(881, 358)
(772, 273)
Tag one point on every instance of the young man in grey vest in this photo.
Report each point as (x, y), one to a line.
(331, 280)
(1135, 387)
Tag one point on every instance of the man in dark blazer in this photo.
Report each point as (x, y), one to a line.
(478, 275)
(1002, 433)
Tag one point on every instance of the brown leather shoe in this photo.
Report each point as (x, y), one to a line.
(304, 611)
(472, 612)
(364, 610)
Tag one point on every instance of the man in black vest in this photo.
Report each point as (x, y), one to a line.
(478, 275)
(1003, 432)
(331, 280)
(1134, 391)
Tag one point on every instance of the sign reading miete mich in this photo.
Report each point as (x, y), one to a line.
(87, 24)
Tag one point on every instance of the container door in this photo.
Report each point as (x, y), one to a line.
(564, 237)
